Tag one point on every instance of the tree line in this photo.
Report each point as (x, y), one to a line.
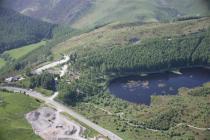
(45, 80)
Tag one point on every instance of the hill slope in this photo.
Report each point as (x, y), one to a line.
(17, 30)
(90, 13)
(117, 50)
(142, 48)
(141, 10)
(118, 35)
(55, 11)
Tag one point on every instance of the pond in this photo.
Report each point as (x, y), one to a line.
(139, 89)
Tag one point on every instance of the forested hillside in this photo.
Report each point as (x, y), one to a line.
(54, 11)
(141, 10)
(113, 36)
(134, 48)
(17, 30)
(153, 54)
(123, 49)
(105, 40)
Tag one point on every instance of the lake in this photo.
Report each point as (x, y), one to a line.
(138, 89)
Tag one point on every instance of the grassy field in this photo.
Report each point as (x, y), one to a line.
(116, 35)
(23, 51)
(45, 92)
(13, 125)
(2, 63)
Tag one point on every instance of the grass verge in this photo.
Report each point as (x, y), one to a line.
(2, 63)
(44, 91)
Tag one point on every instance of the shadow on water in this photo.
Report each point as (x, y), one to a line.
(139, 89)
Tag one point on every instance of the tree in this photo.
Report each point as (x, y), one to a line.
(28, 71)
(45, 80)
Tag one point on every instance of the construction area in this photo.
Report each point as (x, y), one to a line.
(50, 124)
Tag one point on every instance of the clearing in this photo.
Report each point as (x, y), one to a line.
(23, 51)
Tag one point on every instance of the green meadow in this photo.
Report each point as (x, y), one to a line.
(13, 125)
(23, 51)
(2, 63)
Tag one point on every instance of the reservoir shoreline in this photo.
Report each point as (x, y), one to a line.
(139, 89)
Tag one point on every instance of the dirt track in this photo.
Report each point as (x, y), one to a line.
(51, 65)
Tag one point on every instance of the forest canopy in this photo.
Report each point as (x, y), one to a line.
(152, 55)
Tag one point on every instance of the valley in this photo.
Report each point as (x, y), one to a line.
(133, 49)
(18, 30)
(92, 13)
(105, 70)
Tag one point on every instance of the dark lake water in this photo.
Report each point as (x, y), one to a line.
(139, 89)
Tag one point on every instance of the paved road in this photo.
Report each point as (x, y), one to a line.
(51, 65)
(63, 108)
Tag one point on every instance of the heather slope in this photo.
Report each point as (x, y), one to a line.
(91, 13)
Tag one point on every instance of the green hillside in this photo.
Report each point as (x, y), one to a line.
(118, 35)
(23, 51)
(93, 13)
(106, 40)
(140, 10)
(54, 11)
(17, 30)
(121, 49)
(118, 50)
(2, 63)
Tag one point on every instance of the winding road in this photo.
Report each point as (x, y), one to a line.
(60, 107)
(51, 65)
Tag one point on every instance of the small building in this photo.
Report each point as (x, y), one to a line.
(14, 79)
(10, 79)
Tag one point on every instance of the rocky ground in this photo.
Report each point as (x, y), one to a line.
(49, 124)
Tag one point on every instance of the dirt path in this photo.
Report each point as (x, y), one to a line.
(51, 65)
(64, 70)
(191, 126)
(54, 96)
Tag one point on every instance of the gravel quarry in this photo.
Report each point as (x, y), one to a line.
(50, 124)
